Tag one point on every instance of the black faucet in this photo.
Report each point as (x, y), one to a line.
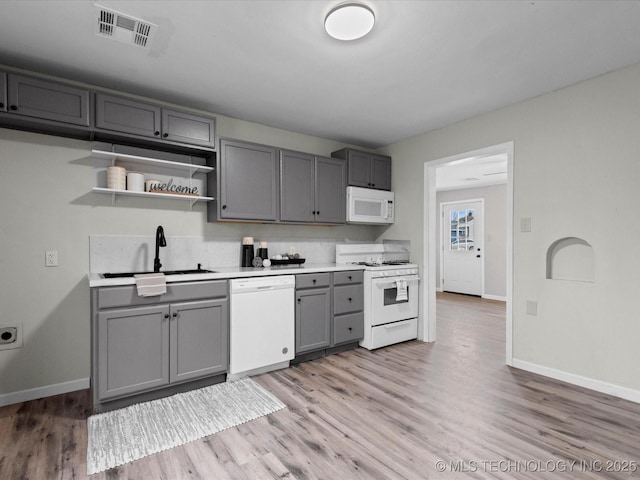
(160, 242)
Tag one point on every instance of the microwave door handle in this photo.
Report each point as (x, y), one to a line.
(386, 209)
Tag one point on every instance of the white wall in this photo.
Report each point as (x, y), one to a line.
(495, 234)
(46, 204)
(576, 174)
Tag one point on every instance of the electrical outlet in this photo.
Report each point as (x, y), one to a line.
(10, 336)
(525, 224)
(51, 258)
(532, 307)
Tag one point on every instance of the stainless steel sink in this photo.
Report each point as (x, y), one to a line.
(168, 272)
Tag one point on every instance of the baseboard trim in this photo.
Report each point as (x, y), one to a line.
(439, 289)
(495, 297)
(45, 391)
(586, 382)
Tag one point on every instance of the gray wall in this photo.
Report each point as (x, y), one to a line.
(46, 204)
(576, 168)
(495, 234)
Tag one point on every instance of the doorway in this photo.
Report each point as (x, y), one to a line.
(430, 224)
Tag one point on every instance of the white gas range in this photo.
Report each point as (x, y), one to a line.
(390, 291)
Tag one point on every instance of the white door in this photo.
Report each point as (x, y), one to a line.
(463, 247)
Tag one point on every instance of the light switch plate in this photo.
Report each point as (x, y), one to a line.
(532, 307)
(525, 224)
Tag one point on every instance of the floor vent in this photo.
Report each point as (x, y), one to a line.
(124, 28)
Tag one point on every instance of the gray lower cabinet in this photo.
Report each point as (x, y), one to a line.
(133, 117)
(348, 307)
(312, 189)
(313, 312)
(143, 350)
(247, 182)
(3, 92)
(133, 350)
(365, 169)
(47, 100)
(329, 313)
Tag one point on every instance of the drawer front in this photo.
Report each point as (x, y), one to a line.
(311, 280)
(347, 298)
(348, 328)
(396, 332)
(347, 278)
(109, 297)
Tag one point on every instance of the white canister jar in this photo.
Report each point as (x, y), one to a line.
(135, 181)
(116, 177)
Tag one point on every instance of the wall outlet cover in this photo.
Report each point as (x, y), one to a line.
(10, 336)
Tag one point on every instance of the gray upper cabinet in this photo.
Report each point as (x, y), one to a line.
(186, 127)
(364, 169)
(312, 188)
(3, 92)
(380, 172)
(247, 182)
(146, 119)
(297, 187)
(127, 116)
(331, 182)
(47, 100)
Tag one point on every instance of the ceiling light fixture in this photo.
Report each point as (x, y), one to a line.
(349, 21)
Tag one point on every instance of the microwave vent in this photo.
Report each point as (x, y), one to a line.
(124, 28)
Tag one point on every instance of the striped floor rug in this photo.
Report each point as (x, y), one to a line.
(121, 436)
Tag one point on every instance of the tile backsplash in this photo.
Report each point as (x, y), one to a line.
(136, 253)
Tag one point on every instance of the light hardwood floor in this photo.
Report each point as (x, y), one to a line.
(394, 413)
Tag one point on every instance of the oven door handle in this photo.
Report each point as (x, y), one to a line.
(387, 283)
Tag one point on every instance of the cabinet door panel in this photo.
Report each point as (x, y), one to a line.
(381, 172)
(199, 339)
(3, 92)
(48, 100)
(133, 350)
(330, 190)
(127, 116)
(188, 128)
(359, 166)
(313, 319)
(248, 181)
(297, 187)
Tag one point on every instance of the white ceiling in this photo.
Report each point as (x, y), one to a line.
(425, 65)
(472, 172)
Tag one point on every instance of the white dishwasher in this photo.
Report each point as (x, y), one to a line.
(262, 333)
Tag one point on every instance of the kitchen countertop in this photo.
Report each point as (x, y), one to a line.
(223, 273)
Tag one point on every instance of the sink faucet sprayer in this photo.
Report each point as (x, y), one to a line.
(160, 242)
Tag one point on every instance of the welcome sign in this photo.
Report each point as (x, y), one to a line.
(171, 187)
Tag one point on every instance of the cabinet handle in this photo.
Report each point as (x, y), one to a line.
(1, 105)
(318, 212)
(350, 328)
(166, 315)
(156, 133)
(224, 207)
(349, 277)
(314, 281)
(175, 314)
(349, 298)
(373, 184)
(13, 107)
(165, 135)
(299, 300)
(313, 213)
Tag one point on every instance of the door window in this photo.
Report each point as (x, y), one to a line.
(461, 223)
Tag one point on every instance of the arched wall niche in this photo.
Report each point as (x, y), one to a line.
(571, 258)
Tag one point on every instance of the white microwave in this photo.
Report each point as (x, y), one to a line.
(365, 205)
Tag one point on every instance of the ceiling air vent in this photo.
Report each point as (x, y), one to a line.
(124, 28)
